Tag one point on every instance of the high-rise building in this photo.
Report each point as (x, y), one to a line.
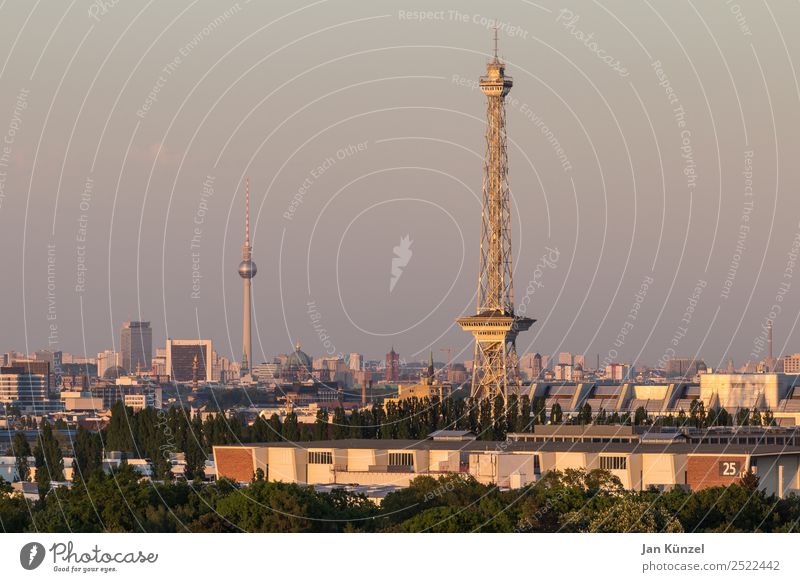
(180, 360)
(530, 365)
(392, 366)
(682, 367)
(247, 270)
(791, 364)
(20, 388)
(495, 325)
(136, 346)
(107, 359)
(267, 372)
(617, 372)
(356, 361)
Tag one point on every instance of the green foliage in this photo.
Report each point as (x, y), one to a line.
(48, 457)
(21, 449)
(88, 453)
(561, 501)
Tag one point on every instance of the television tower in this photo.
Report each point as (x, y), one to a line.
(495, 326)
(247, 270)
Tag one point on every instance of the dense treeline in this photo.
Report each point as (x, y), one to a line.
(156, 434)
(570, 501)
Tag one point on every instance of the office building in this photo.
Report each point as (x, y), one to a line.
(180, 360)
(108, 359)
(23, 390)
(356, 362)
(136, 346)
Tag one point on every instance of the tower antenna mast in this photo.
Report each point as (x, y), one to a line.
(495, 325)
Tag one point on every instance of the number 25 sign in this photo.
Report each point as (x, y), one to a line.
(729, 468)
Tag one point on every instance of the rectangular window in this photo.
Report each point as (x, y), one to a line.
(613, 463)
(320, 458)
(401, 459)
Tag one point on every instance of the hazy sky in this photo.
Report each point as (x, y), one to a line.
(653, 152)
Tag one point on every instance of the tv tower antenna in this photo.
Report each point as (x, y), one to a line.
(247, 270)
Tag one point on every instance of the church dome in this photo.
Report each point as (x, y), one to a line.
(299, 359)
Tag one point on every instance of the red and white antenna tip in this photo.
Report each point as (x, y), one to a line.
(247, 210)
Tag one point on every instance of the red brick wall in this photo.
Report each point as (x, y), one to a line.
(703, 470)
(235, 463)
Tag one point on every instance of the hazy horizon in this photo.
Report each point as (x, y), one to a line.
(650, 145)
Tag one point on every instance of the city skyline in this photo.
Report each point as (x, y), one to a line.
(566, 307)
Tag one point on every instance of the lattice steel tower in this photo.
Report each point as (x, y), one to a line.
(495, 326)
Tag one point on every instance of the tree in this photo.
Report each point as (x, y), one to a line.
(340, 425)
(631, 514)
(275, 428)
(742, 417)
(291, 430)
(556, 415)
(524, 420)
(88, 453)
(485, 424)
(749, 481)
(640, 416)
(49, 460)
(585, 414)
(499, 425)
(21, 449)
(321, 425)
(119, 433)
(355, 425)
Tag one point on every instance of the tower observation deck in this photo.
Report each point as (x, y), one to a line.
(495, 326)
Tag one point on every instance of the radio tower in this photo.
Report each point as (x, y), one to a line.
(495, 326)
(247, 270)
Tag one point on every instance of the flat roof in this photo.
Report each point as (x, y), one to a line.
(529, 446)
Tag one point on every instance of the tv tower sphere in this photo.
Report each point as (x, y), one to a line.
(247, 269)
